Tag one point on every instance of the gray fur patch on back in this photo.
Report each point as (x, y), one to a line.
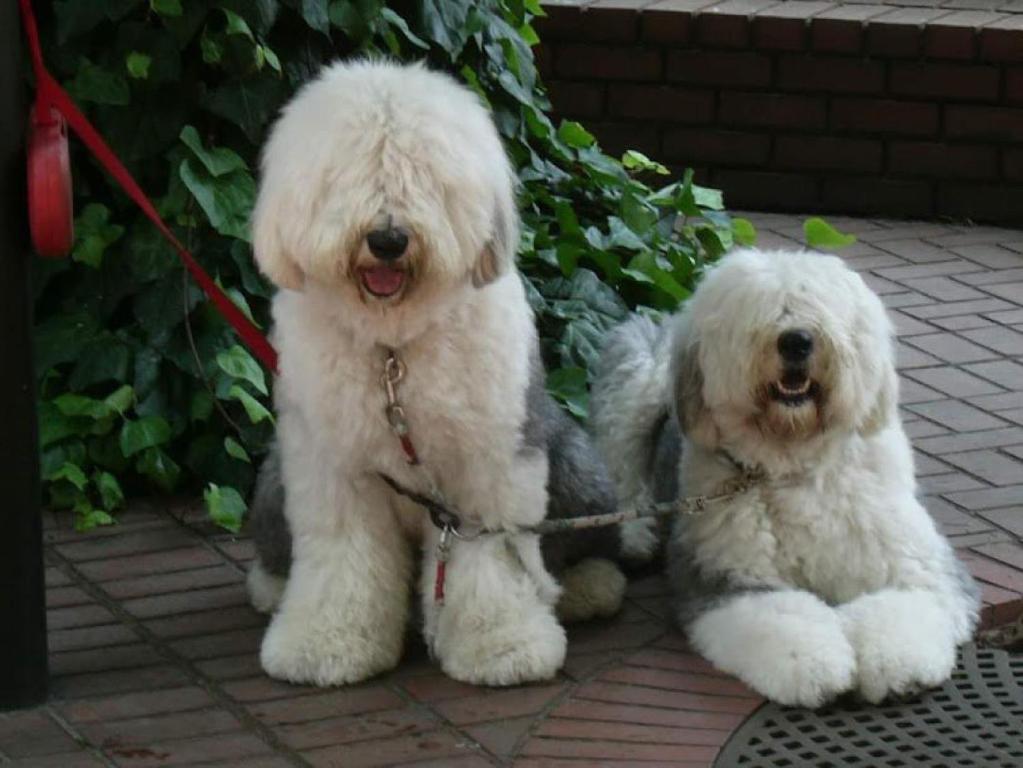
(267, 524)
(578, 482)
(664, 463)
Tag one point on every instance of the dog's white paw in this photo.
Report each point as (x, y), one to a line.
(801, 673)
(265, 590)
(507, 654)
(591, 588)
(786, 645)
(311, 653)
(903, 642)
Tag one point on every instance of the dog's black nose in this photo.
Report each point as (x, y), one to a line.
(387, 244)
(795, 346)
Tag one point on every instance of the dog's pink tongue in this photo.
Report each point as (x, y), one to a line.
(383, 281)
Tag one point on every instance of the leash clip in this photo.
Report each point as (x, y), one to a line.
(443, 553)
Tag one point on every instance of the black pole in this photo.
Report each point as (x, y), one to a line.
(23, 669)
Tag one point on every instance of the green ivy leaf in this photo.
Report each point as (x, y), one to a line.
(95, 84)
(226, 200)
(569, 386)
(820, 234)
(256, 411)
(235, 450)
(94, 234)
(708, 198)
(271, 58)
(744, 231)
(72, 473)
(226, 506)
(395, 20)
(54, 426)
(166, 7)
(622, 237)
(109, 490)
(202, 406)
(637, 161)
(236, 25)
(79, 405)
(316, 16)
(575, 135)
(147, 432)
(87, 517)
(158, 467)
(249, 104)
(137, 64)
(121, 399)
(218, 160)
(237, 362)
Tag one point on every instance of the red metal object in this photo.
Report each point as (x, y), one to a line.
(50, 202)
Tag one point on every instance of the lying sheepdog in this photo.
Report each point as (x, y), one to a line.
(410, 367)
(828, 575)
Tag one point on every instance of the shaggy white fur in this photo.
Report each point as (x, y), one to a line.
(372, 147)
(830, 575)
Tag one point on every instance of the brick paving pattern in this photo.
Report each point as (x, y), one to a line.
(154, 649)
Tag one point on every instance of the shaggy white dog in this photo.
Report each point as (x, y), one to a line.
(830, 575)
(387, 217)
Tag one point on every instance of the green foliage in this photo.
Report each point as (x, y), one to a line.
(184, 92)
(820, 234)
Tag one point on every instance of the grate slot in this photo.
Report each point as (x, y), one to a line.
(973, 720)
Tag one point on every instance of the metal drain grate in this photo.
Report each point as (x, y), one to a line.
(974, 721)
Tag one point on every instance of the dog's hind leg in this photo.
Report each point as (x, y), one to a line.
(271, 536)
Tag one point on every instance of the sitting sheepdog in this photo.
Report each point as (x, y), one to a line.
(386, 216)
(828, 575)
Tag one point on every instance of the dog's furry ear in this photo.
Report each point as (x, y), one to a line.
(687, 396)
(884, 409)
(498, 255)
(272, 257)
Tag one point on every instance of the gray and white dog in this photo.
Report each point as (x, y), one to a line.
(828, 575)
(386, 217)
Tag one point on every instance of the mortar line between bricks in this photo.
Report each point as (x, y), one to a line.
(445, 723)
(570, 690)
(79, 738)
(212, 687)
(209, 545)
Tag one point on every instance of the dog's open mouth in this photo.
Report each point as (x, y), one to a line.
(383, 281)
(793, 388)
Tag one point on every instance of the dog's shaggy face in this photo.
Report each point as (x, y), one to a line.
(387, 187)
(777, 347)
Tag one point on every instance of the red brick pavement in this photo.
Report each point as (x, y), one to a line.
(154, 649)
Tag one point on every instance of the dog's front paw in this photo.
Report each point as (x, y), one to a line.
(803, 672)
(786, 645)
(903, 644)
(506, 653)
(311, 653)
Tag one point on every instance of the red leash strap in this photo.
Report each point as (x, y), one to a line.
(49, 94)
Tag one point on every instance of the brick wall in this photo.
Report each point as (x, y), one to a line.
(804, 105)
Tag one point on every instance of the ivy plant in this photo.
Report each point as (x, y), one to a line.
(143, 387)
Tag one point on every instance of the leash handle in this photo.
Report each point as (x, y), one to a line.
(50, 94)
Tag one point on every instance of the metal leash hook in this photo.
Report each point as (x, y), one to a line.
(394, 372)
(443, 552)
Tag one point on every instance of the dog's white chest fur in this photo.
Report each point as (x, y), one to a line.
(454, 393)
(829, 529)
